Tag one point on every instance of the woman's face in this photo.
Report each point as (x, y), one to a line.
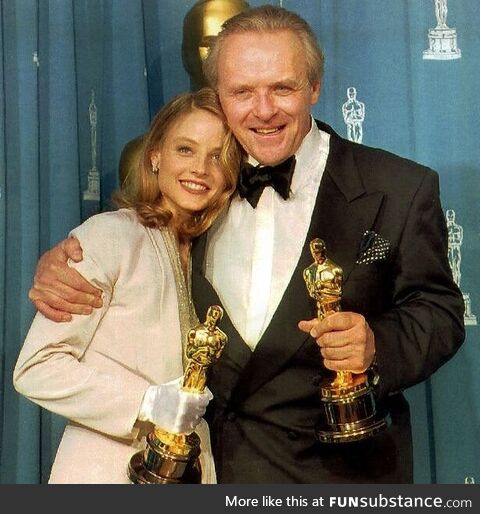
(190, 176)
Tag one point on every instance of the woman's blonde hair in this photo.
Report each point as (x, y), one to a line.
(144, 195)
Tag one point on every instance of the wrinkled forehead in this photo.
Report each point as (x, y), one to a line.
(253, 56)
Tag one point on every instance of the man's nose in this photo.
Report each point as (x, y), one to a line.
(265, 107)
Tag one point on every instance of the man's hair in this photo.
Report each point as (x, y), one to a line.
(265, 19)
(144, 195)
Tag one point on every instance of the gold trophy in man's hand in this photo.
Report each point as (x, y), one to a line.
(173, 458)
(349, 412)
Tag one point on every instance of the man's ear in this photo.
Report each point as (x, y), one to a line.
(315, 94)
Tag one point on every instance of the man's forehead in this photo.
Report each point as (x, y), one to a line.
(242, 55)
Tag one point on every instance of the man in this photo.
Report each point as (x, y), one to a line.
(381, 220)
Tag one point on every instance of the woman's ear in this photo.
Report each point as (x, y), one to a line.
(155, 159)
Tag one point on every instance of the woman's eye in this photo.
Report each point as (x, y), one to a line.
(184, 149)
(216, 157)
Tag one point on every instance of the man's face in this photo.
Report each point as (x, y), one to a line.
(265, 93)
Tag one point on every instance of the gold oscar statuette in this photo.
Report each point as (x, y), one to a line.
(201, 25)
(173, 458)
(349, 407)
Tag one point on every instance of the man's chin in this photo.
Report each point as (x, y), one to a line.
(267, 150)
(270, 158)
(273, 160)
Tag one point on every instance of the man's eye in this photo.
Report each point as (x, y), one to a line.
(242, 93)
(184, 149)
(282, 89)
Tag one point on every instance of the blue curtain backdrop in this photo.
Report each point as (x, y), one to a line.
(79, 79)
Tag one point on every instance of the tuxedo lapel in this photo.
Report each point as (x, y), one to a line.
(282, 337)
(346, 208)
(342, 213)
(236, 353)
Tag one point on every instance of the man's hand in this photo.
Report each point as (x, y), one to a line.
(346, 341)
(58, 290)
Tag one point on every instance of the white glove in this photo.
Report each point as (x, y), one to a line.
(171, 408)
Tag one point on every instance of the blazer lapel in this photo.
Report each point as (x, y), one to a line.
(346, 208)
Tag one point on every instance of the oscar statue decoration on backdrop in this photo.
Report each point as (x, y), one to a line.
(92, 192)
(455, 241)
(442, 40)
(349, 407)
(353, 112)
(173, 458)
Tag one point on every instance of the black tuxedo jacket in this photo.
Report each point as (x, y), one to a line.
(266, 402)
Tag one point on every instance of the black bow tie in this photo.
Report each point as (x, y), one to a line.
(254, 179)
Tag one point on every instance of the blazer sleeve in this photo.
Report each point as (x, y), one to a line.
(425, 326)
(51, 370)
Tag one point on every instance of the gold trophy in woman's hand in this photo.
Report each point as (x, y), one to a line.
(349, 412)
(173, 458)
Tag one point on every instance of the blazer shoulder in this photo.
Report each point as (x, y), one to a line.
(370, 157)
(376, 162)
(109, 226)
(112, 239)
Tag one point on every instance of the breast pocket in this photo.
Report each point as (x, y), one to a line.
(368, 289)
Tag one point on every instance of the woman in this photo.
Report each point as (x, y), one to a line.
(101, 371)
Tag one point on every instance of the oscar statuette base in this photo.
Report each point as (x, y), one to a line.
(167, 459)
(349, 412)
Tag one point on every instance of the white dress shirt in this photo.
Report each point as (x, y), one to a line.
(252, 253)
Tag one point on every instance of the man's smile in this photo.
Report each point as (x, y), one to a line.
(268, 131)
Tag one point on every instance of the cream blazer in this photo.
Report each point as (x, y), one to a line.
(95, 369)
